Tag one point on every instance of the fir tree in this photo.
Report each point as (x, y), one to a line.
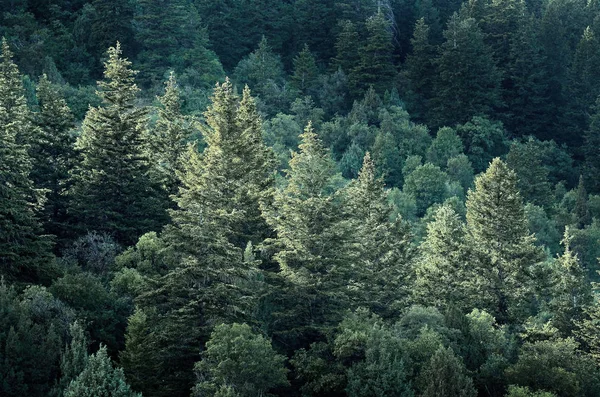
(54, 155)
(100, 378)
(581, 211)
(167, 144)
(591, 150)
(446, 375)
(305, 71)
(442, 268)
(113, 192)
(420, 70)
(347, 55)
(376, 66)
(74, 358)
(384, 250)
(309, 244)
(137, 365)
(468, 82)
(571, 291)
(503, 247)
(24, 252)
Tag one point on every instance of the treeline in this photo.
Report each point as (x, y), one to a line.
(387, 199)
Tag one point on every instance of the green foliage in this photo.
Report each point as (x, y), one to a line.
(24, 253)
(113, 191)
(305, 73)
(100, 378)
(518, 391)
(427, 183)
(239, 362)
(445, 375)
(503, 246)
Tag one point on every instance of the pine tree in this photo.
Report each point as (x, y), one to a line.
(446, 375)
(171, 37)
(383, 248)
(135, 360)
(572, 293)
(309, 244)
(305, 71)
(503, 247)
(420, 70)
(376, 66)
(113, 192)
(54, 155)
(442, 269)
(584, 76)
(100, 378)
(468, 82)
(347, 55)
(217, 214)
(74, 358)
(168, 141)
(24, 252)
(581, 211)
(591, 149)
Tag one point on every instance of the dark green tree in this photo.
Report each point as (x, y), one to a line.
(502, 244)
(468, 82)
(24, 252)
(238, 362)
(376, 65)
(347, 54)
(54, 155)
(446, 375)
(100, 378)
(305, 73)
(113, 191)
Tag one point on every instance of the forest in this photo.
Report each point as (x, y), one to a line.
(304, 198)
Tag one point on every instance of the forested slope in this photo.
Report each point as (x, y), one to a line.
(383, 198)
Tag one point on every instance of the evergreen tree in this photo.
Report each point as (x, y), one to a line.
(468, 82)
(503, 247)
(238, 360)
(442, 270)
(526, 160)
(170, 36)
(376, 66)
(167, 142)
(384, 250)
(113, 192)
(309, 244)
(24, 252)
(420, 70)
(571, 291)
(305, 71)
(347, 55)
(74, 358)
(137, 366)
(581, 211)
(100, 378)
(445, 375)
(584, 76)
(591, 150)
(54, 155)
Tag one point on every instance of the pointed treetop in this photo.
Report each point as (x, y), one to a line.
(171, 99)
(118, 86)
(366, 174)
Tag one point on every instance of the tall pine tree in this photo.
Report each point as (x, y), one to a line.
(113, 192)
(24, 252)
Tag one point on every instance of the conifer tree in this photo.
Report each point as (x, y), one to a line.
(305, 71)
(376, 66)
(54, 155)
(100, 378)
(502, 244)
(420, 70)
(384, 249)
(113, 192)
(167, 144)
(442, 269)
(217, 214)
(347, 55)
(309, 243)
(584, 77)
(571, 291)
(581, 211)
(24, 252)
(591, 150)
(136, 359)
(446, 375)
(468, 82)
(74, 358)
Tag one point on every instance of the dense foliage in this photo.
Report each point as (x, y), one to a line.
(384, 198)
